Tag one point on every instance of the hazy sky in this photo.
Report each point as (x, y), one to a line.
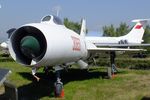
(98, 13)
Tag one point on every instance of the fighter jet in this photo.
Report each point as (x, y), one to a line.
(50, 43)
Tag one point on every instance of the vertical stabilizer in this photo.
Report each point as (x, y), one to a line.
(137, 32)
(83, 28)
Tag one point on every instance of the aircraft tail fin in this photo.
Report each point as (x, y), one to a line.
(137, 32)
(83, 28)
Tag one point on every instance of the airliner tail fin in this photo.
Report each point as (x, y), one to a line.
(137, 32)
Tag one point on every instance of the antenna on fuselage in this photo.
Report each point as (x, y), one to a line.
(57, 10)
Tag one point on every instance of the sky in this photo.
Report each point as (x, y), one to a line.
(98, 13)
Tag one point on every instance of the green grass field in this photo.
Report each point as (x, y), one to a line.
(81, 84)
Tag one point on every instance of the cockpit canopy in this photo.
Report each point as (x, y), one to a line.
(52, 19)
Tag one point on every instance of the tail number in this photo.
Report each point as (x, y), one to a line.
(76, 44)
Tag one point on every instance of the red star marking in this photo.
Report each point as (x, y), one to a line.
(138, 27)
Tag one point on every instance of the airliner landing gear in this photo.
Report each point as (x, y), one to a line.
(112, 69)
(58, 85)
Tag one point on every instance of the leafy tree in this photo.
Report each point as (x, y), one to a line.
(122, 29)
(146, 37)
(119, 31)
(109, 30)
(75, 26)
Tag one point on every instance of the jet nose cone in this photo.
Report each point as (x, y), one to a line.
(30, 46)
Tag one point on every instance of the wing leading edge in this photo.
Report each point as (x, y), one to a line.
(122, 45)
(93, 48)
(113, 49)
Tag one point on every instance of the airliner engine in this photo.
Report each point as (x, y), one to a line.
(46, 43)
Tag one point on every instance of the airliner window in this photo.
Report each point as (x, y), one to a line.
(47, 18)
(57, 20)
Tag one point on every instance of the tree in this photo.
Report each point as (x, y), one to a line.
(122, 29)
(109, 30)
(119, 31)
(146, 37)
(75, 26)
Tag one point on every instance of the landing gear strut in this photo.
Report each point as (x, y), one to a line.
(112, 69)
(58, 85)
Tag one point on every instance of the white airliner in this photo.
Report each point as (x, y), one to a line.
(50, 43)
(133, 37)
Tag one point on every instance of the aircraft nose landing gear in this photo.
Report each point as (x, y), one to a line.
(59, 91)
(58, 86)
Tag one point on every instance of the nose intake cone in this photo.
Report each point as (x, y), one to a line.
(30, 46)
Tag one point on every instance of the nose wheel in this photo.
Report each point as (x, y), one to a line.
(58, 86)
(59, 91)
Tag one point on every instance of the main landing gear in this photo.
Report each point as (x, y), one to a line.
(112, 69)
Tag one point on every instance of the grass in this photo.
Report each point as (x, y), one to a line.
(81, 84)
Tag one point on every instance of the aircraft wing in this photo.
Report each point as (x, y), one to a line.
(113, 49)
(122, 45)
(93, 48)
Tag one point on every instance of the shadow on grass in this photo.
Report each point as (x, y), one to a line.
(145, 98)
(36, 90)
(3, 97)
(45, 87)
